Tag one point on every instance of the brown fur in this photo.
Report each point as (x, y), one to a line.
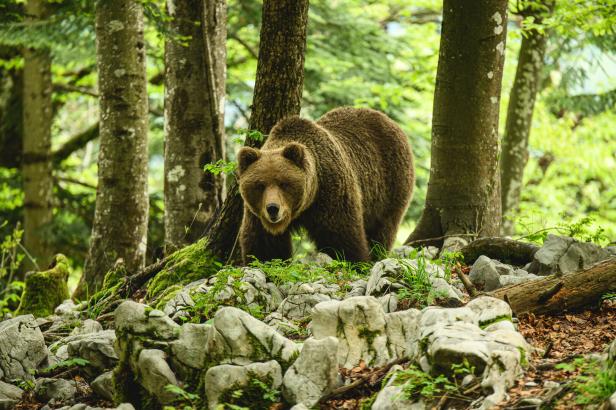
(347, 178)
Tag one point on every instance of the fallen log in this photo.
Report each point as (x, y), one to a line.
(502, 249)
(556, 294)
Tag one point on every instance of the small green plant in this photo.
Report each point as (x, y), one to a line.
(417, 290)
(257, 395)
(184, 400)
(583, 230)
(243, 135)
(65, 364)
(595, 383)
(220, 167)
(416, 383)
(11, 256)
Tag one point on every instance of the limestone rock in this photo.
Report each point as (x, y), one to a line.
(59, 390)
(103, 385)
(97, 348)
(237, 337)
(140, 319)
(302, 297)
(561, 254)
(220, 379)
(359, 324)
(88, 326)
(155, 374)
(314, 373)
(9, 395)
(22, 348)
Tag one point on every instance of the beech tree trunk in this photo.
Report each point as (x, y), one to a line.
(121, 215)
(526, 84)
(277, 94)
(558, 294)
(36, 161)
(195, 66)
(463, 194)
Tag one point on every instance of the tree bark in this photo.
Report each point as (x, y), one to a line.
(463, 194)
(557, 294)
(277, 94)
(195, 63)
(36, 163)
(526, 84)
(121, 214)
(503, 249)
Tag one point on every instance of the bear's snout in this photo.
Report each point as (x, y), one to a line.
(272, 211)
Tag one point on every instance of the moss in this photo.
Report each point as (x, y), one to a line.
(186, 265)
(44, 291)
(523, 358)
(497, 319)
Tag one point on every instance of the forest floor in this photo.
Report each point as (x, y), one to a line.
(559, 340)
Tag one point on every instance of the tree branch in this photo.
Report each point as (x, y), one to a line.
(74, 143)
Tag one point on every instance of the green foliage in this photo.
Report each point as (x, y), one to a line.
(258, 394)
(65, 364)
(226, 291)
(595, 382)
(184, 400)
(584, 230)
(418, 291)
(281, 272)
(11, 255)
(220, 167)
(418, 384)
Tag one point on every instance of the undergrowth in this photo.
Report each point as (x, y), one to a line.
(595, 383)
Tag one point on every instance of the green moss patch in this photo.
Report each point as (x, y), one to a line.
(44, 291)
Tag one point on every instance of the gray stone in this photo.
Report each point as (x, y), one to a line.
(140, 319)
(68, 308)
(448, 294)
(402, 330)
(155, 374)
(88, 326)
(314, 373)
(319, 259)
(488, 309)
(219, 379)
(389, 302)
(237, 337)
(302, 297)
(97, 348)
(9, 395)
(561, 254)
(484, 274)
(453, 244)
(22, 348)
(359, 324)
(103, 385)
(189, 350)
(59, 390)
(358, 288)
(392, 398)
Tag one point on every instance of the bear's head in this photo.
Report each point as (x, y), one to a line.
(277, 185)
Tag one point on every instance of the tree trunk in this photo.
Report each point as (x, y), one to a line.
(121, 215)
(463, 194)
(277, 94)
(195, 62)
(36, 162)
(11, 111)
(557, 294)
(526, 84)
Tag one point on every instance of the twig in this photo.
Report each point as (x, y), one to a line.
(548, 350)
(344, 389)
(468, 285)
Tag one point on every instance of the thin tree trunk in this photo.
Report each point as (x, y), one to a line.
(526, 84)
(278, 92)
(463, 191)
(36, 162)
(195, 62)
(121, 215)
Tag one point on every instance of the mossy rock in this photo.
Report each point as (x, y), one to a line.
(44, 291)
(186, 265)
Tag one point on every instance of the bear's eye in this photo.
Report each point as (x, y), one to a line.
(284, 186)
(260, 186)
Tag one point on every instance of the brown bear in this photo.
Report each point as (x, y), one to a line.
(346, 178)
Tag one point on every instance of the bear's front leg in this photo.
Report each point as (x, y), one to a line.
(256, 241)
(347, 242)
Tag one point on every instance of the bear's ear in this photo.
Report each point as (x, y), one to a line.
(246, 157)
(296, 153)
